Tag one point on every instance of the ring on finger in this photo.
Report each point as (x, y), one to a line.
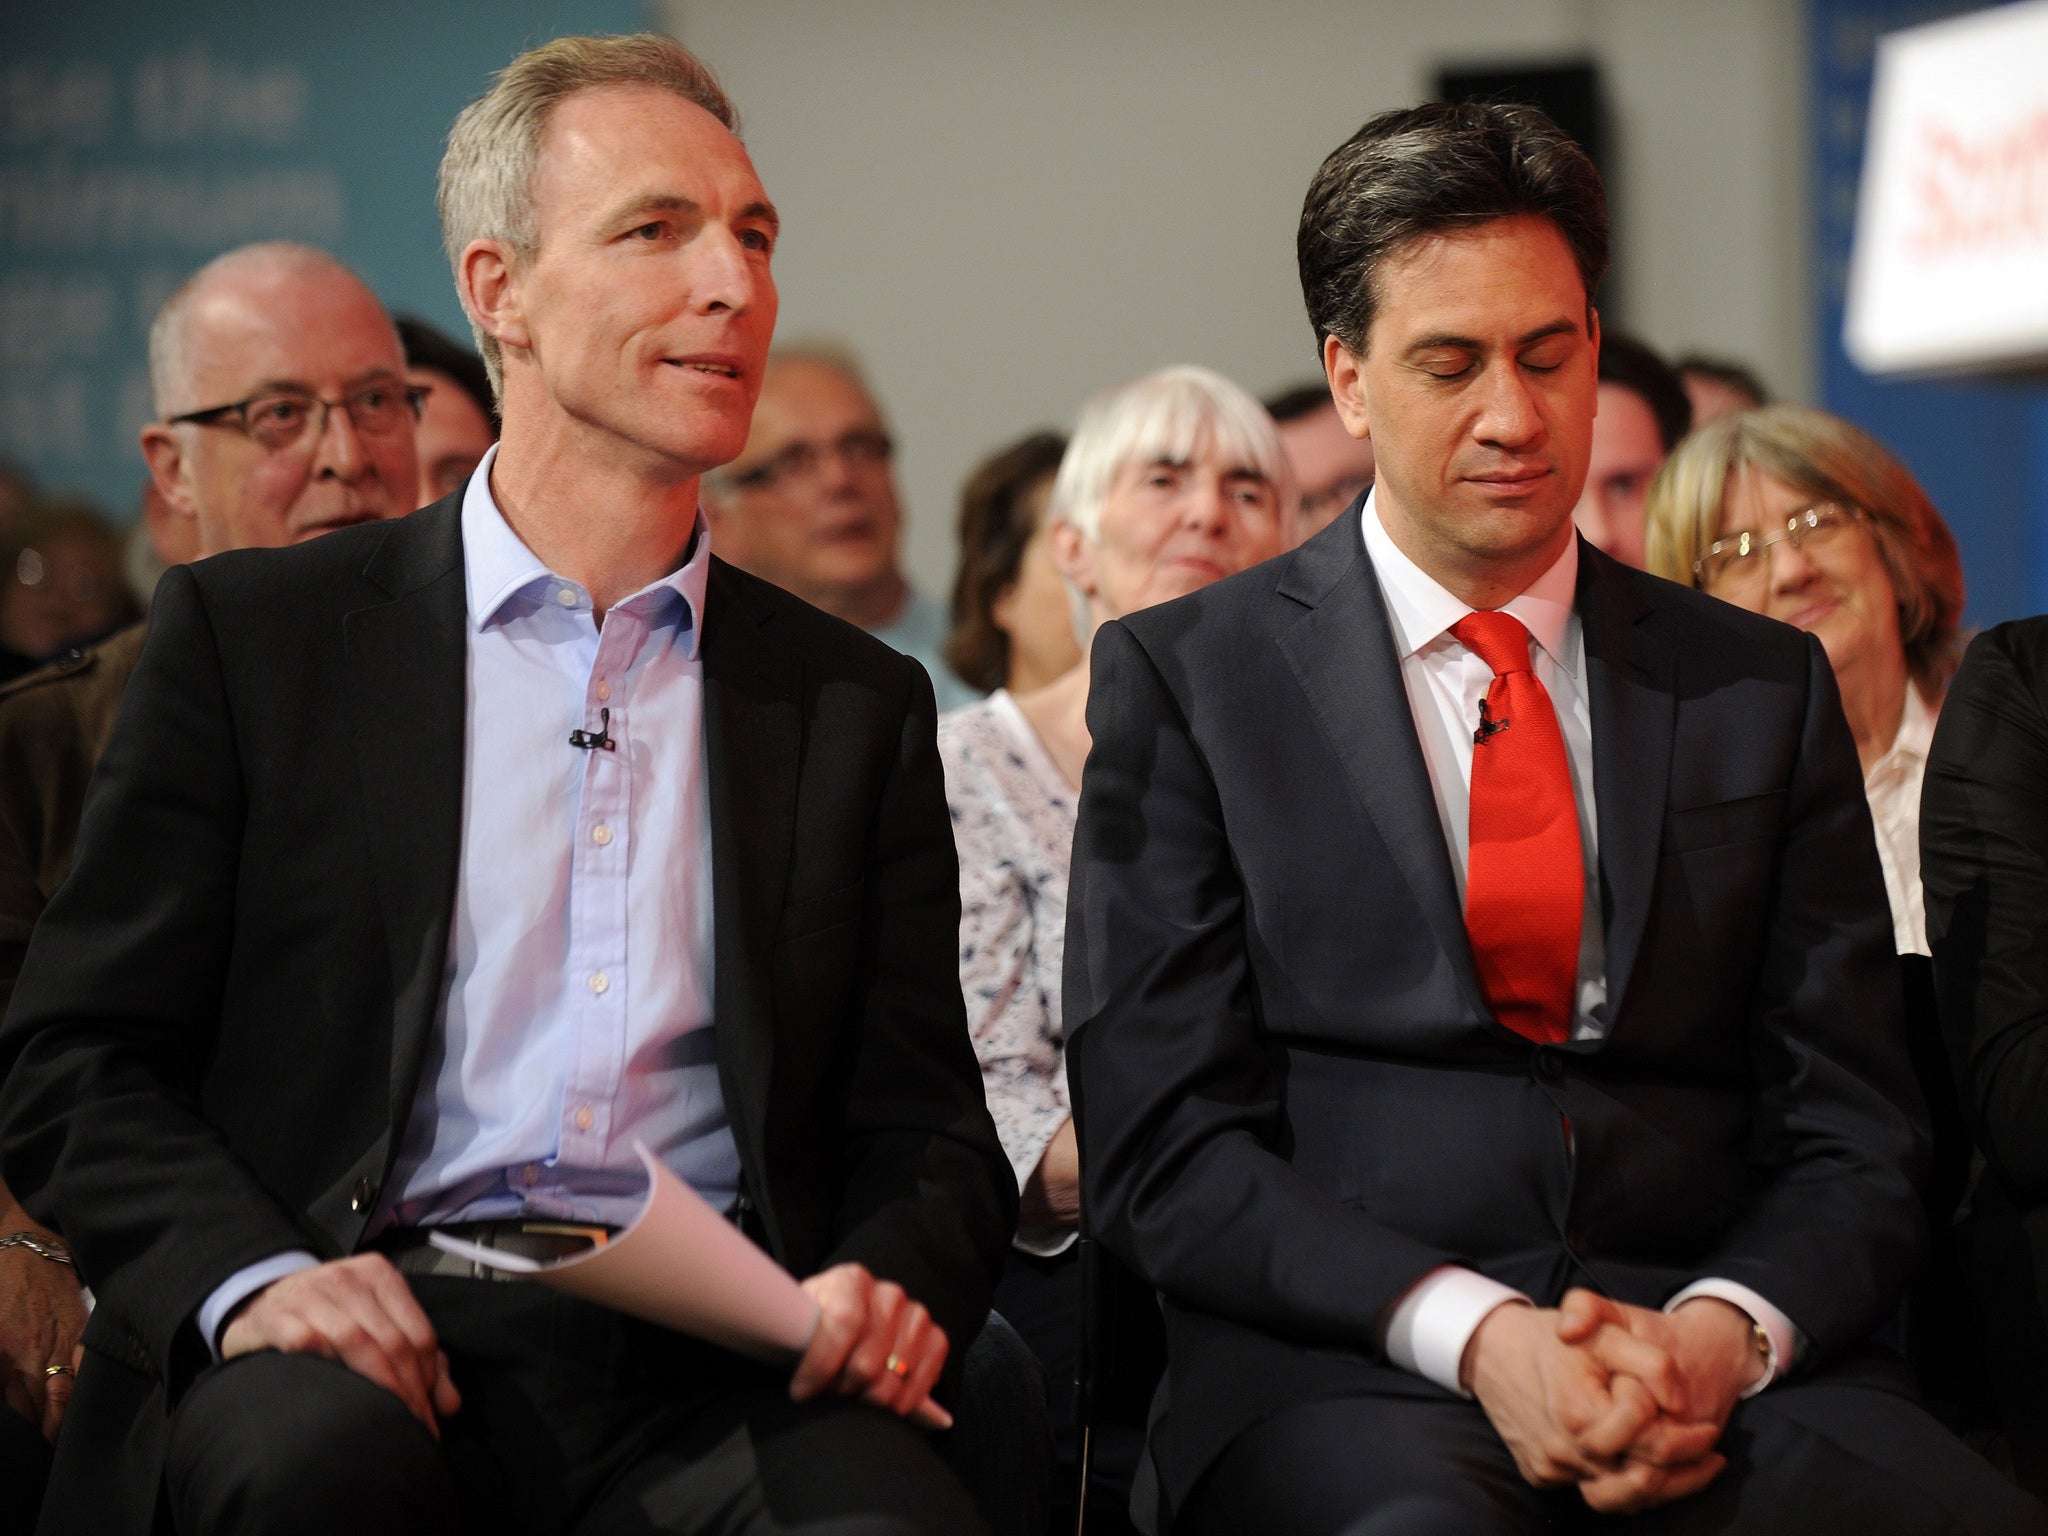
(896, 1366)
(58, 1370)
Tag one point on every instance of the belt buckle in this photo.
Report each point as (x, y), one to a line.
(596, 1236)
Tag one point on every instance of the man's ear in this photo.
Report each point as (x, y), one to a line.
(487, 282)
(1346, 373)
(170, 469)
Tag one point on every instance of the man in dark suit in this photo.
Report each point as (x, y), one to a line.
(431, 866)
(1479, 981)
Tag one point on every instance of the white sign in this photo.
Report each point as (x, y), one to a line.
(1950, 272)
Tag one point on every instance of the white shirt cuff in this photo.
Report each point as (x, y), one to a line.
(1431, 1325)
(244, 1283)
(1777, 1327)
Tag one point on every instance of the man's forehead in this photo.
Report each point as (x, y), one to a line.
(618, 144)
(1493, 276)
(799, 395)
(317, 329)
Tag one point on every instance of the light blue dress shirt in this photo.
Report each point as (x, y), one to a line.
(576, 1014)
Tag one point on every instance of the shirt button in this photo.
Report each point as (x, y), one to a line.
(604, 690)
(530, 1175)
(599, 982)
(585, 1119)
(566, 598)
(600, 834)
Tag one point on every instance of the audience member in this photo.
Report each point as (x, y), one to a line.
(1012, 626)
(297, 323)
(1172, 482)
(1332, 467)
(62, 584)
(1984, 859)
(811, 505)
(1643, 413)
(1796, 514)
(459, 420)
(312, 989)
(1423, 1081)
(1717, 387)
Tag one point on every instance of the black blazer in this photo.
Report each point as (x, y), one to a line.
(1984, 869)
(219, 1027)
(1292, 1100)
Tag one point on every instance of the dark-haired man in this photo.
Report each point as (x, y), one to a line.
(1332, 467)
(1643, 413)
(1514, 1114)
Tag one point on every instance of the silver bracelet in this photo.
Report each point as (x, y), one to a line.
(38, 1245)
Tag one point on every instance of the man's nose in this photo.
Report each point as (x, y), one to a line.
(1508, 416)
(728, 277)
(338, 451)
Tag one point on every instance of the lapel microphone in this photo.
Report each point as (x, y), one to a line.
(599, 739)
(1488, 728)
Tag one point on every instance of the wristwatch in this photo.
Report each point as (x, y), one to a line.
(42, 1247)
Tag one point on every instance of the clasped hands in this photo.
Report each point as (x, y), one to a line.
(872, 1340)
(1624, 1402)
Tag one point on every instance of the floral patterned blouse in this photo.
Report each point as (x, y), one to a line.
(1013, 824)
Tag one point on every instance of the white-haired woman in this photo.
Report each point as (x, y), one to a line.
(1171, 482)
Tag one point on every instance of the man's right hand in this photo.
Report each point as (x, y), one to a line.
(360, 1313)
(1567, 1419)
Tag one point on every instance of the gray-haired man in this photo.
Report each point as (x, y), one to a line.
(434, 866)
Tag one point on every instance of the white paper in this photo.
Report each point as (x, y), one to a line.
(682, 1265)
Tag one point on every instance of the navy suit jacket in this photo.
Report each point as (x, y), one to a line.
(1292, 1100)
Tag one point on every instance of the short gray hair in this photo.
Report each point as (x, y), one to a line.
(486, 185)
(1164, 415)
(170, 341)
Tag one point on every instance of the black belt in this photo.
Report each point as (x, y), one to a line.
(546, 1241)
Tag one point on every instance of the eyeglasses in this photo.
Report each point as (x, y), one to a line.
(1742, 563)
(862, 448)
(277, 419)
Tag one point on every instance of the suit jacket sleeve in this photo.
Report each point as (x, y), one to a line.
(102, 1128)
(916, 1121)
(1176, 1098)
(1838, 1129)
(1984, 865)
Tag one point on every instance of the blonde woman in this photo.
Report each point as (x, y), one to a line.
(1794, 513)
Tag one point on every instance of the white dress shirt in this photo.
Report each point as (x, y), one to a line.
(1893, 789)
(1430, 1327)
(576, 1012)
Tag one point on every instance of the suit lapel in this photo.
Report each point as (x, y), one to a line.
(1633, 703)
(753, 733)
(406, 683)
(1342, 653)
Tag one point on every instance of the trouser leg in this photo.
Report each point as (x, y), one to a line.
(301, 1446)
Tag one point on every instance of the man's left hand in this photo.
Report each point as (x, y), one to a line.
(1712, 1346)
(872, 1342)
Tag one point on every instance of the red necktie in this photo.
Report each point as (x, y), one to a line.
(1525, 885)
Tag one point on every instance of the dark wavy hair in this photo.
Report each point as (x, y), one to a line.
(1426, 170)
(993, 532)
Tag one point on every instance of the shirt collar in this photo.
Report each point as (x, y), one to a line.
(497, 565)
(1422, 610)
(1916, 734)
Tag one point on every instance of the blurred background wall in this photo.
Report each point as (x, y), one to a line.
(1002, 207)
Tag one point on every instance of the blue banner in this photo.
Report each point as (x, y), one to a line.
(137, 140)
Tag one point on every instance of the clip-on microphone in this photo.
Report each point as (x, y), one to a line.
(600, 738)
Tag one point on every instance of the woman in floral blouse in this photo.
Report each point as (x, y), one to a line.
(1171, 482)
